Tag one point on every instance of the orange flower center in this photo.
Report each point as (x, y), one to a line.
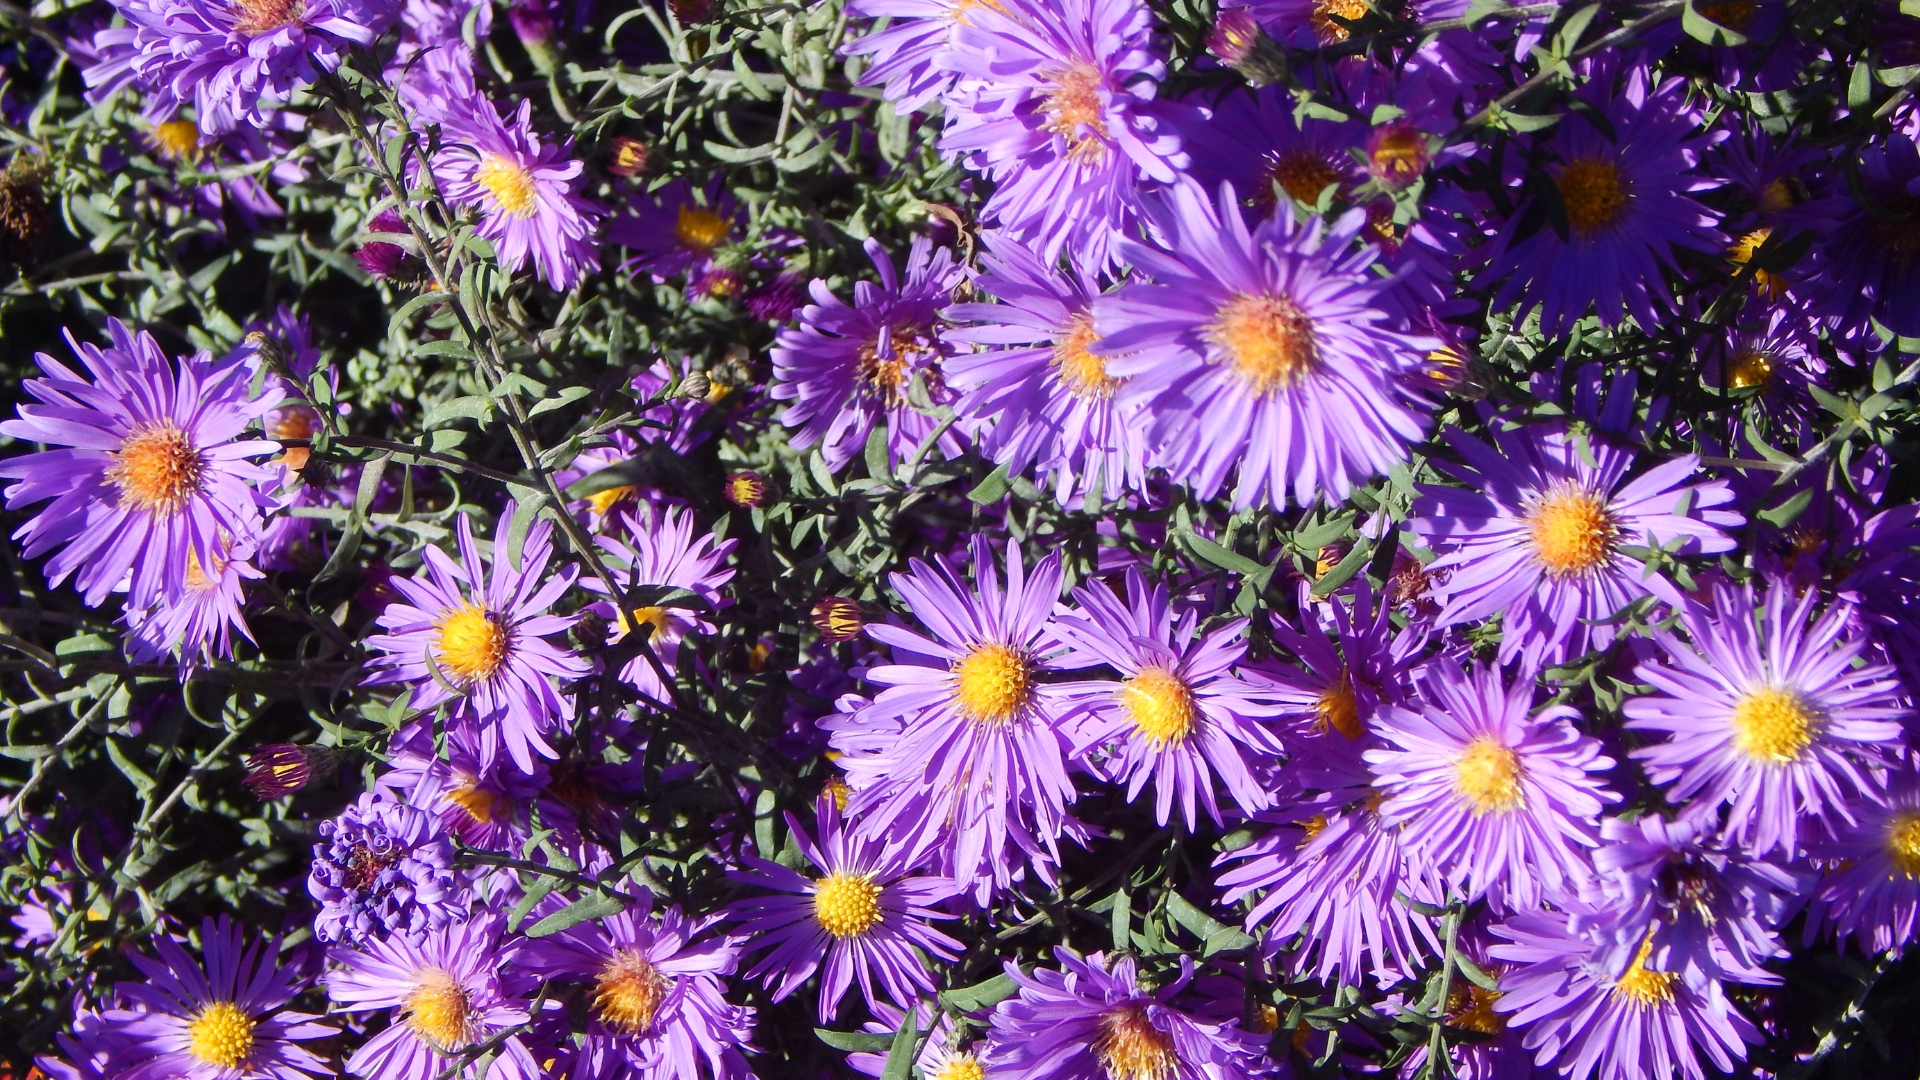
(700, 230)
(628, 992)
(256, 17)
(1572, 531)
(157, 469)
(1487, 775)
(1073, 110)
(473, 643)
(1268, 339)
(992, 683)
(1594, 193)
(1131, 1048)
(1083, 373)
(1325, 11)
(440, 1011)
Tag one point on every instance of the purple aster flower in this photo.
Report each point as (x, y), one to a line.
(658, 1005)
(451, 989)
(233, 62)
(1043, 395)
(1253, 140)
(481, 806)
(1179, 715)
(667, 551)
(1352, 663)
(1625, 196)
(462, 634)
(1596, 1024)
(223, 1021)
(674, 231)
(962, 748)
(1709, 909)
(382, 260)
(1268, 350)
(197, 624)
(1769, 710)
(97, 1050)
(1866, 267)
(1871, 889)
(846, 368)
(1334, 879)
(528, 194)
(1506, 800)
(1093, 1020)
(1537, 533)
(157, 475)
(1056, 106)
(942, 1055)
(906, 57)
(864, 918)
(382, 867)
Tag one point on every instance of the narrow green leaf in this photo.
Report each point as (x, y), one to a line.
(597, 906)
(855, 1042)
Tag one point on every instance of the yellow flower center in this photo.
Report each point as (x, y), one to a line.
(1780, 195)
(700, 230)
(846, 905)
(157, 468)
(221, 1036)
(1769, 284)
(510, 184)
(256, 17)
(961, 1067)
(1470, 1008)
(836, 786)
(480, 804)
(1593, 192)
(1313, 827)
(628, 992)
(1773, 725)
(1131, 1048)
(604, 500)
(1571, 530)
(1160, 705)
(439, 1011)
(1268, 339)
(992, 683)
(1325, 11)
(1903, 842)
(655, 617)
(1074, 112)
(177, 139)
(1303, 175)
(1081, 372)
(197, 579)
(1487, 775)
(473, 643)
(1400, 153)
(1642, 986)
(1339, 708)
(1749, 367)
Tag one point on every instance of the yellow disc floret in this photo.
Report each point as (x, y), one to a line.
(1594, 193)
(1131, 1048)
(1339, 708)
(992, 683)
(1903, 843)
(1642, 986)
(1749, 367)
(628, 992)
(1572, 531)
(221, 1036)
(157, 468)
(1269, 341)
(846, 905)
(1082, 371)
(1160, 705)
(1487, 775)
(1075, 113)
(961, 1067)
(256, 17)
(1773, 725)
(700, 230)
(473, 643)
(440, 1011)
(510, 184)
(1302, 174)
(1325, 11)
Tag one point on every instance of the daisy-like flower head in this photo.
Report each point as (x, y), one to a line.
(1310, 24)
(382, 867)
(1866, 269)
(1094, 1020)
(1332, 876)
(1538, 532)
(1179, 716)
(528, 194)
(472, 635)
(233, 62)
(962, 750)
(483, 807)
(907, 56)
(1871, 890)
(153, 473)
(1776, 356)
(674, 232)
(667, 550)
(450, 989)
(847, 367)
(1048, 395)
(1597, 1024)
(197, 624)
(1767, 710)
(658, 1003)
(1507, 800)
(941, 1056)
(96, 1050)
(864, 917)
(221, 1021)
(1252, 140)
(1267, 350)
(1626, 201)
(1057, 107)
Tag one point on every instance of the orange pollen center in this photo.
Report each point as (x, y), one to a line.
(1782, 194)
(1326, 11)
(440, 1011)
(1571, 530)
(1400, 153)
(700, 230)
(1774, 725)
(1903, 843)
(1470, 1008)
(1083, 373)
(1074, 111)
(655, 617)
(177, 139)
(1749, 367)
(256, 17)
(473, 643)
(482, 805)
(157, 469)
(1303, 175)
(1487, 775)
(510, 184)
(628, 992)
(1339, 708)
(1131, 1048)
(604, 500)
(992, 683)
(1593, 192)
(1733, 15)
(1769, 284)
(1269, 341)
(1642, 986)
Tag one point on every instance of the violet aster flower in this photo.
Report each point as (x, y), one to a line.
(846, 367)
(382, 867)
(1871, 889)
(233, 62)
(658, 1007)
(1093, 1020)
(156, 474)
(1769, 710)
(961, 748)
(221, 1021)
(470, 635)
(1044, 396)
(483, 807)
(528, 193)
(1056, 106)
(906, 57)
(197, 624)
(1253, 140)
(1537, 533)
(667, 549)
(1595, 1024)
(1866, 269)
(451, 989)
(96, 1050)
(1179, 716)
(673, 232)
(1352, 663)
(1332, 878)
(1627, 204)
(1505, 799)
(863, 919)
(1268, 350)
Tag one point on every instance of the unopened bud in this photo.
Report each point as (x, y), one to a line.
(277, 770)
(695, 384)
(838, 619)
(626, 157)
(589, 631)
(1238, 40)
(747, 489)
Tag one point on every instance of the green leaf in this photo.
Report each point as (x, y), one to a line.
(1223, 557)
(1218, 936)
(981, 995)
(471, 406)
(449, 347)
(562, 398)
(412, 307)
(597, 906)
(900, 1058)
(992, 489)
(142, 783)
(855, 1042)
(1783, 515)
(879, 454)
(1701, 28)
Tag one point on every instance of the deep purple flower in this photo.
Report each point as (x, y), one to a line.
(1267, 350)
(157, 477)
(528, 193)
(1352, 664)
(1254, 141)
(381, 260)
(864, 918)
(674, 231)
(665, 549)
(481, 806)
(1871, 889)
(1769, 710)
(382, 867)
(1866, 269)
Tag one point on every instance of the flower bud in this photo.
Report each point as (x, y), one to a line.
(626, 157)
(1397, 153)
(695, 384)
(1242, 45)
(381, 260)
(277, 770)
(747, 489)
(838, 619)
